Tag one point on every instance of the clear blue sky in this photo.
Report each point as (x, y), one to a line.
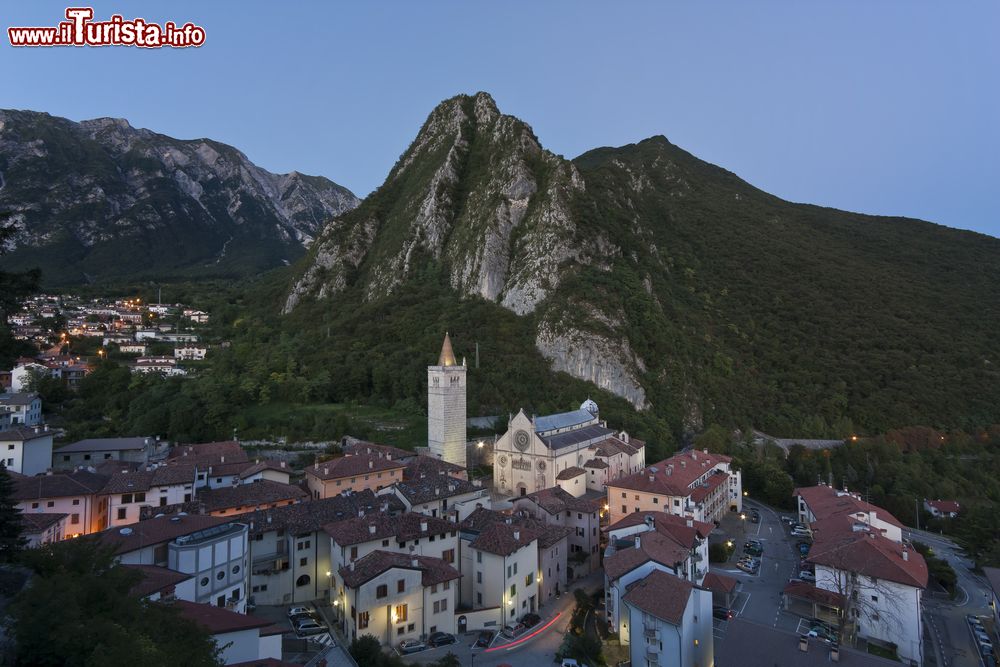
(887, 107)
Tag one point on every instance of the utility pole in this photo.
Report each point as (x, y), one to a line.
(477, 354)
(916, 506)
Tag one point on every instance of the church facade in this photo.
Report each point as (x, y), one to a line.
(574, 450)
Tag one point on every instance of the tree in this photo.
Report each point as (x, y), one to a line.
(12, 540)
(78, 611)
(13, 288)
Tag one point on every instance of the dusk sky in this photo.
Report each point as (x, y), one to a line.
(879, 107)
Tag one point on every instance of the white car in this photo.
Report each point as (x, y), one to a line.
(806, 575)
(298, 611)
(570, 662)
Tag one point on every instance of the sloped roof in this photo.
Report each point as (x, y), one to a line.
(144, 480)
(447, 356)
(23, 434)
(673, 476)
(403, 527)
(156, 531)
(105, 445)
(570, 473)
(36, 522)
(425, 490)
(670, 524)
(652, 546)
(839, 544)
(155, 579)
(58, 485)
(312, 515)
(422, 467)
(660, 594)
(555, 499)
(248, 496)
(352, 466)
(563, 420)
(205, 453)
(946, 506)
(825, 502)
(218, 620)
(433, 570)
(719, 583)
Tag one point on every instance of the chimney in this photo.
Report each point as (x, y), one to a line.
(351, 566)
(371, 464)
(437, 491)
(415, 563)
(517, 535)
(638, 541)
(423, 525)
(803, 643)
(690, 522)
(705, 450)
(282, 464)
(906, 554)
(326, 471)
(684, 464)
(653, 479)
(371, 528)
(694, 455)
(669, 470)
(222, 459)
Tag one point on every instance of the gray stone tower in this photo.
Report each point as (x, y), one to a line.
(446, 407)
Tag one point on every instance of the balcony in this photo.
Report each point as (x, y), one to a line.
(651, 633)
(652, 657)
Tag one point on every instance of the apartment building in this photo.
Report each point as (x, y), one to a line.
(352, 473)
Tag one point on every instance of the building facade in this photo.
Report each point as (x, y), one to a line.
(446, 388)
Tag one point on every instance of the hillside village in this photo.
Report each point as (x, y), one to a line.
(415, 549)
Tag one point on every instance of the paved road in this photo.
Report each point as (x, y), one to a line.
(946, 618)
(760, 599)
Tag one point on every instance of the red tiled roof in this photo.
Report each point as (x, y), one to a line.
(946, 506)
(421, 467)
(266, 662)
(570, 473)
(555, 499)
(664, 522)
(205, 453)
(249, 496)
(385, 451)
(653, 546)
(433, 570)
(218, 620)
(404, 527)
(825, 502)
(714, 481)
(58, 485)
(496, 535)
(155, 579)
(36, 522)
(805, 590)
(719, 583)
(673, 476)
(661, 594)
(353, 466)
(155, 531)
(838, 545)
(144, 480)
(595, 463)
(267, 464)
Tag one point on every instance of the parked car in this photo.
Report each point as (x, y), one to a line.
(484, 639)
(408, 646)
(823, 633)
(748, 567)
(986, 647)
(570, 662)
(441, 639)
(309, 627)
(513, 630)
(301, 611)
(531, 620)
(722, 613)
(806, 575)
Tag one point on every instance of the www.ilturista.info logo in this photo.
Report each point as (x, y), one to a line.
(81, 30)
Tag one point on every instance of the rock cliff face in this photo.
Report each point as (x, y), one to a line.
(101, 199)
(673, 283)
(477, 194)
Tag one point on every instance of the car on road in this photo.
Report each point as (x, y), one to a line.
(749, 568)
(408, 646)
(755, 516)
(722, 613)
(513, 631)
(806, 575)
(441, 639)
(301, 611)
(531, 620)
(484, 639)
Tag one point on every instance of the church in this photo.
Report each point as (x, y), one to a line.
(573, 450)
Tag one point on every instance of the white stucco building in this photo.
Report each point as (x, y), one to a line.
(667, 620)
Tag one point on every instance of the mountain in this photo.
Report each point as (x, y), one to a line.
(100, 200)
(674, 284)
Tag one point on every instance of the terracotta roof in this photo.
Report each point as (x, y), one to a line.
(155, 579)
(570, 473)
(144, 480)
(156, 531)
(313, 515)
(249, 496)
(218, 620)
(420, 467)
(205, 453)
(653, 546)
(669, 524)
(58, 485)
(555, 499)
(613, 445)
(504, 540)
(946, 506)
(434, 488)
(714, 481)
(403, 527)
(825, 502)
(36, 522)
(266, 464)
(841, 544)
(353, 466)
(660, 594)
(548, 534)
(596, 463)
(229, 468)
(674, 476)
(433, 570)
(356, 447)
(481, 519)
(719, 583)
(807, 591)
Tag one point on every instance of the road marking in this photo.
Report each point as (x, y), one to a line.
(740, 613)
(515, 644)
(965, 593)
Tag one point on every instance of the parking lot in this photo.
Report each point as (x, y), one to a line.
(760, 597)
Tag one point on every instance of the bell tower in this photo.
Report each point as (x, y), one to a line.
(446, 407)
